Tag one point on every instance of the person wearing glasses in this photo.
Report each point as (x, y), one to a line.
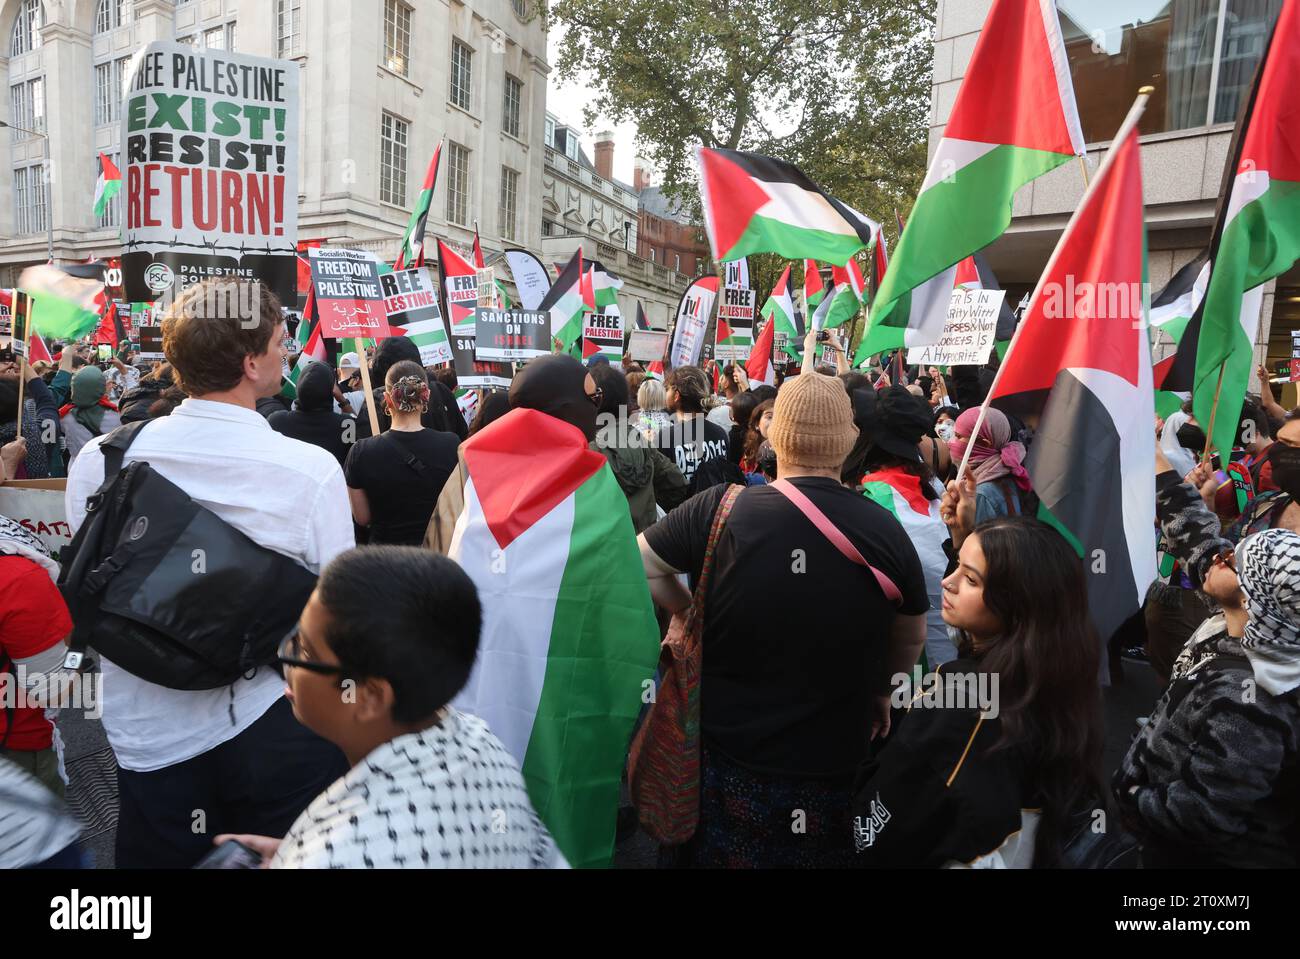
(394, 479)
(1213, 777)
(385, 642)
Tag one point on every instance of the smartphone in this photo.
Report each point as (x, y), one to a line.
(231, 854)
(105, 353)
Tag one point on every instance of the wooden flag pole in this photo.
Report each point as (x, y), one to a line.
(364, 362)
(1214, 412)
(1083, 165)
(27, 352)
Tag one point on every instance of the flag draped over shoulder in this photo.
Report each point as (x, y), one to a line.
(1014, 119)
(1083, 366)
(412, 253)
(1258, 236)
(569, 635)
(756, 204)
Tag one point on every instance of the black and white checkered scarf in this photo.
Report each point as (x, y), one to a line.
(1268, 567)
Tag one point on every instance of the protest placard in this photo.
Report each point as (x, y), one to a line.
(486, 280)
(602, 333)
(530, 278)
(692, 319)
(967, 333)
(210, 140)
(734, 334)
(38, 507)
(647, 346)
(151, 343)
(505, 335)
(349, 296)
(411, 302)
(475, 372)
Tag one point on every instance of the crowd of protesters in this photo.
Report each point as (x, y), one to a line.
(813, 536)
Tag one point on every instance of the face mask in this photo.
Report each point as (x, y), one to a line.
(1191, 437)
(1286, 468)
(944, 432)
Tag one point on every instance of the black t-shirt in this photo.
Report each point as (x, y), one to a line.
(328, 430)
(689, 443)
(402, 498)
(794, 633)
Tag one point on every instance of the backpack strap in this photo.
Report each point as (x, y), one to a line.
(115, 446)
(837, 539)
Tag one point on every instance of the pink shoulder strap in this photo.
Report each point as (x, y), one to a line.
(837, 539)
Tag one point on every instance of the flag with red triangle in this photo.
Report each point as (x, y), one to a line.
(761, 366)
(412, 251)
(1082, 368)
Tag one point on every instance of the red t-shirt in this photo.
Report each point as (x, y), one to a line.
(33, 618)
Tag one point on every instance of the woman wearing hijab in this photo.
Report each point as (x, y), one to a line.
(89, 414)
(1182, 440)
(556, 385)
(996, 462)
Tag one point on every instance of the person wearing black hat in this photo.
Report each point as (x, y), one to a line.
(895, 475)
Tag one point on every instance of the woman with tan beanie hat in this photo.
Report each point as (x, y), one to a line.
(800, 640)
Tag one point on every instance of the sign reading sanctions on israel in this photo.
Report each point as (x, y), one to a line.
(504, 335)
(210, 140)
(967, 333)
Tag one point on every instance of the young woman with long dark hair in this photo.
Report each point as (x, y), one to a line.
(998, 757)
(757, 426)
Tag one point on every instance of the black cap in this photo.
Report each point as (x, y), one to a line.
(900, 422)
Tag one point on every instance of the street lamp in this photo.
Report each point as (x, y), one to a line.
(49, 201)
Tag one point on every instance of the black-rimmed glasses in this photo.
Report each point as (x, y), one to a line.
(289, 653)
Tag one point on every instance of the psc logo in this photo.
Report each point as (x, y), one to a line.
(159, 277)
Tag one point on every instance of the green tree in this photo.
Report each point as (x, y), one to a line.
(840, 88)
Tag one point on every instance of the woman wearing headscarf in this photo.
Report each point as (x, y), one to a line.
(89, 412)
(1181, 435)
(556, 385)
(995, 459)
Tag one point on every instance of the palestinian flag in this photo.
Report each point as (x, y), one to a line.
(814, 289)
(879, 263)
(460, 290)
(107, 186)
(779, 312)
(110, 329)
(66, 301)
(566, 304)
(1085, 371)
(1172, 312)
(605, 287)
(761, 366)
(846, 294)
(569, 636)
(755, 204)
(412, 253)
(1257, 237)
(1015, 119)
(640, 320)
(968, 276)
(311, 347)
(900, 493)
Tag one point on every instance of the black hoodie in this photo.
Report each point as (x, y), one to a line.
(313, 419)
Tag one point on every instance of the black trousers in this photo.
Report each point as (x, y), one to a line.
(258, 783)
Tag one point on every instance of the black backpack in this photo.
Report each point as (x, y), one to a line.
(168, 590)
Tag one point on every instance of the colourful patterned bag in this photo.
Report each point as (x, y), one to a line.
(664, 761)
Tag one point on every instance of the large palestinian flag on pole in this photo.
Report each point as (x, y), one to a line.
(1014, 119)
(412, 253)
(569, 634)
(1084, 368)
(755, 204)
(779, 312)
(1258, 237)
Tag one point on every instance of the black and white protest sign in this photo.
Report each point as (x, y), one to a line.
(505, 335)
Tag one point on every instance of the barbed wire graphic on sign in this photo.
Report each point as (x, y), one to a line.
(213, 246)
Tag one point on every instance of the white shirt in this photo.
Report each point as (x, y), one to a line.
(448, 797)
(721, 415)
(283, 494)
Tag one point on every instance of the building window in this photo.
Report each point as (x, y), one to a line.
(111, 217)
(1176, 50)
(397, 36)
(392, 166)
(509, 202)
(27, 28)
(105, 101)
(111, 14)
(29, 199)
(457, 184)
(520, 7)
(218, 38)
(549, 228)
(462, 60)
(549, 135)
(288, 28)
(510, 108)
(27, 108)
